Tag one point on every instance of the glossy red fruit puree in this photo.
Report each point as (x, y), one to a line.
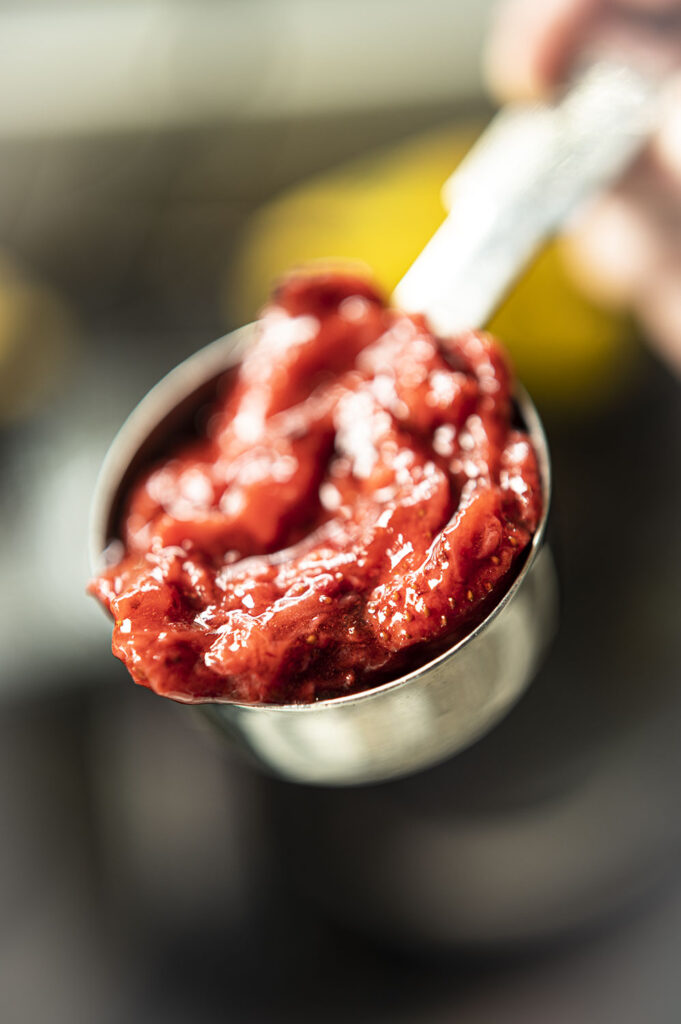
(361, 494)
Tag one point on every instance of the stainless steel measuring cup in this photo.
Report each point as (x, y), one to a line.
(519, 183)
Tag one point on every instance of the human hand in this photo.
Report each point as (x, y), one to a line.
(625, 249)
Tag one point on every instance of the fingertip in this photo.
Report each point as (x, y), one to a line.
(509, 57)
(609, 250)
(530, 44)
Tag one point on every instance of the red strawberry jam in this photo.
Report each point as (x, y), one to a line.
(361, 498)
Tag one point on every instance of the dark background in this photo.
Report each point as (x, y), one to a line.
(146, 872)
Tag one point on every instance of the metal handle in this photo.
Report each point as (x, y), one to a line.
(524, 177)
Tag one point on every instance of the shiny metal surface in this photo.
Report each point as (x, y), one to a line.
(528, 171)
(415, 721)
(402, 726)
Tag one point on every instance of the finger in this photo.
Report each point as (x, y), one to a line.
(533, 43)
(667, 142)
(530, 44)
(611, 249)
(616, 243)
(625, 251)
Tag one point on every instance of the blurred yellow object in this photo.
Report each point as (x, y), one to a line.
(36, 332)
(380, 211)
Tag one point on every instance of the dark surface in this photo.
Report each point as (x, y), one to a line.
(146, 874)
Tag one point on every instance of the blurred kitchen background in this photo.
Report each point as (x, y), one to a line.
(160, 163)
